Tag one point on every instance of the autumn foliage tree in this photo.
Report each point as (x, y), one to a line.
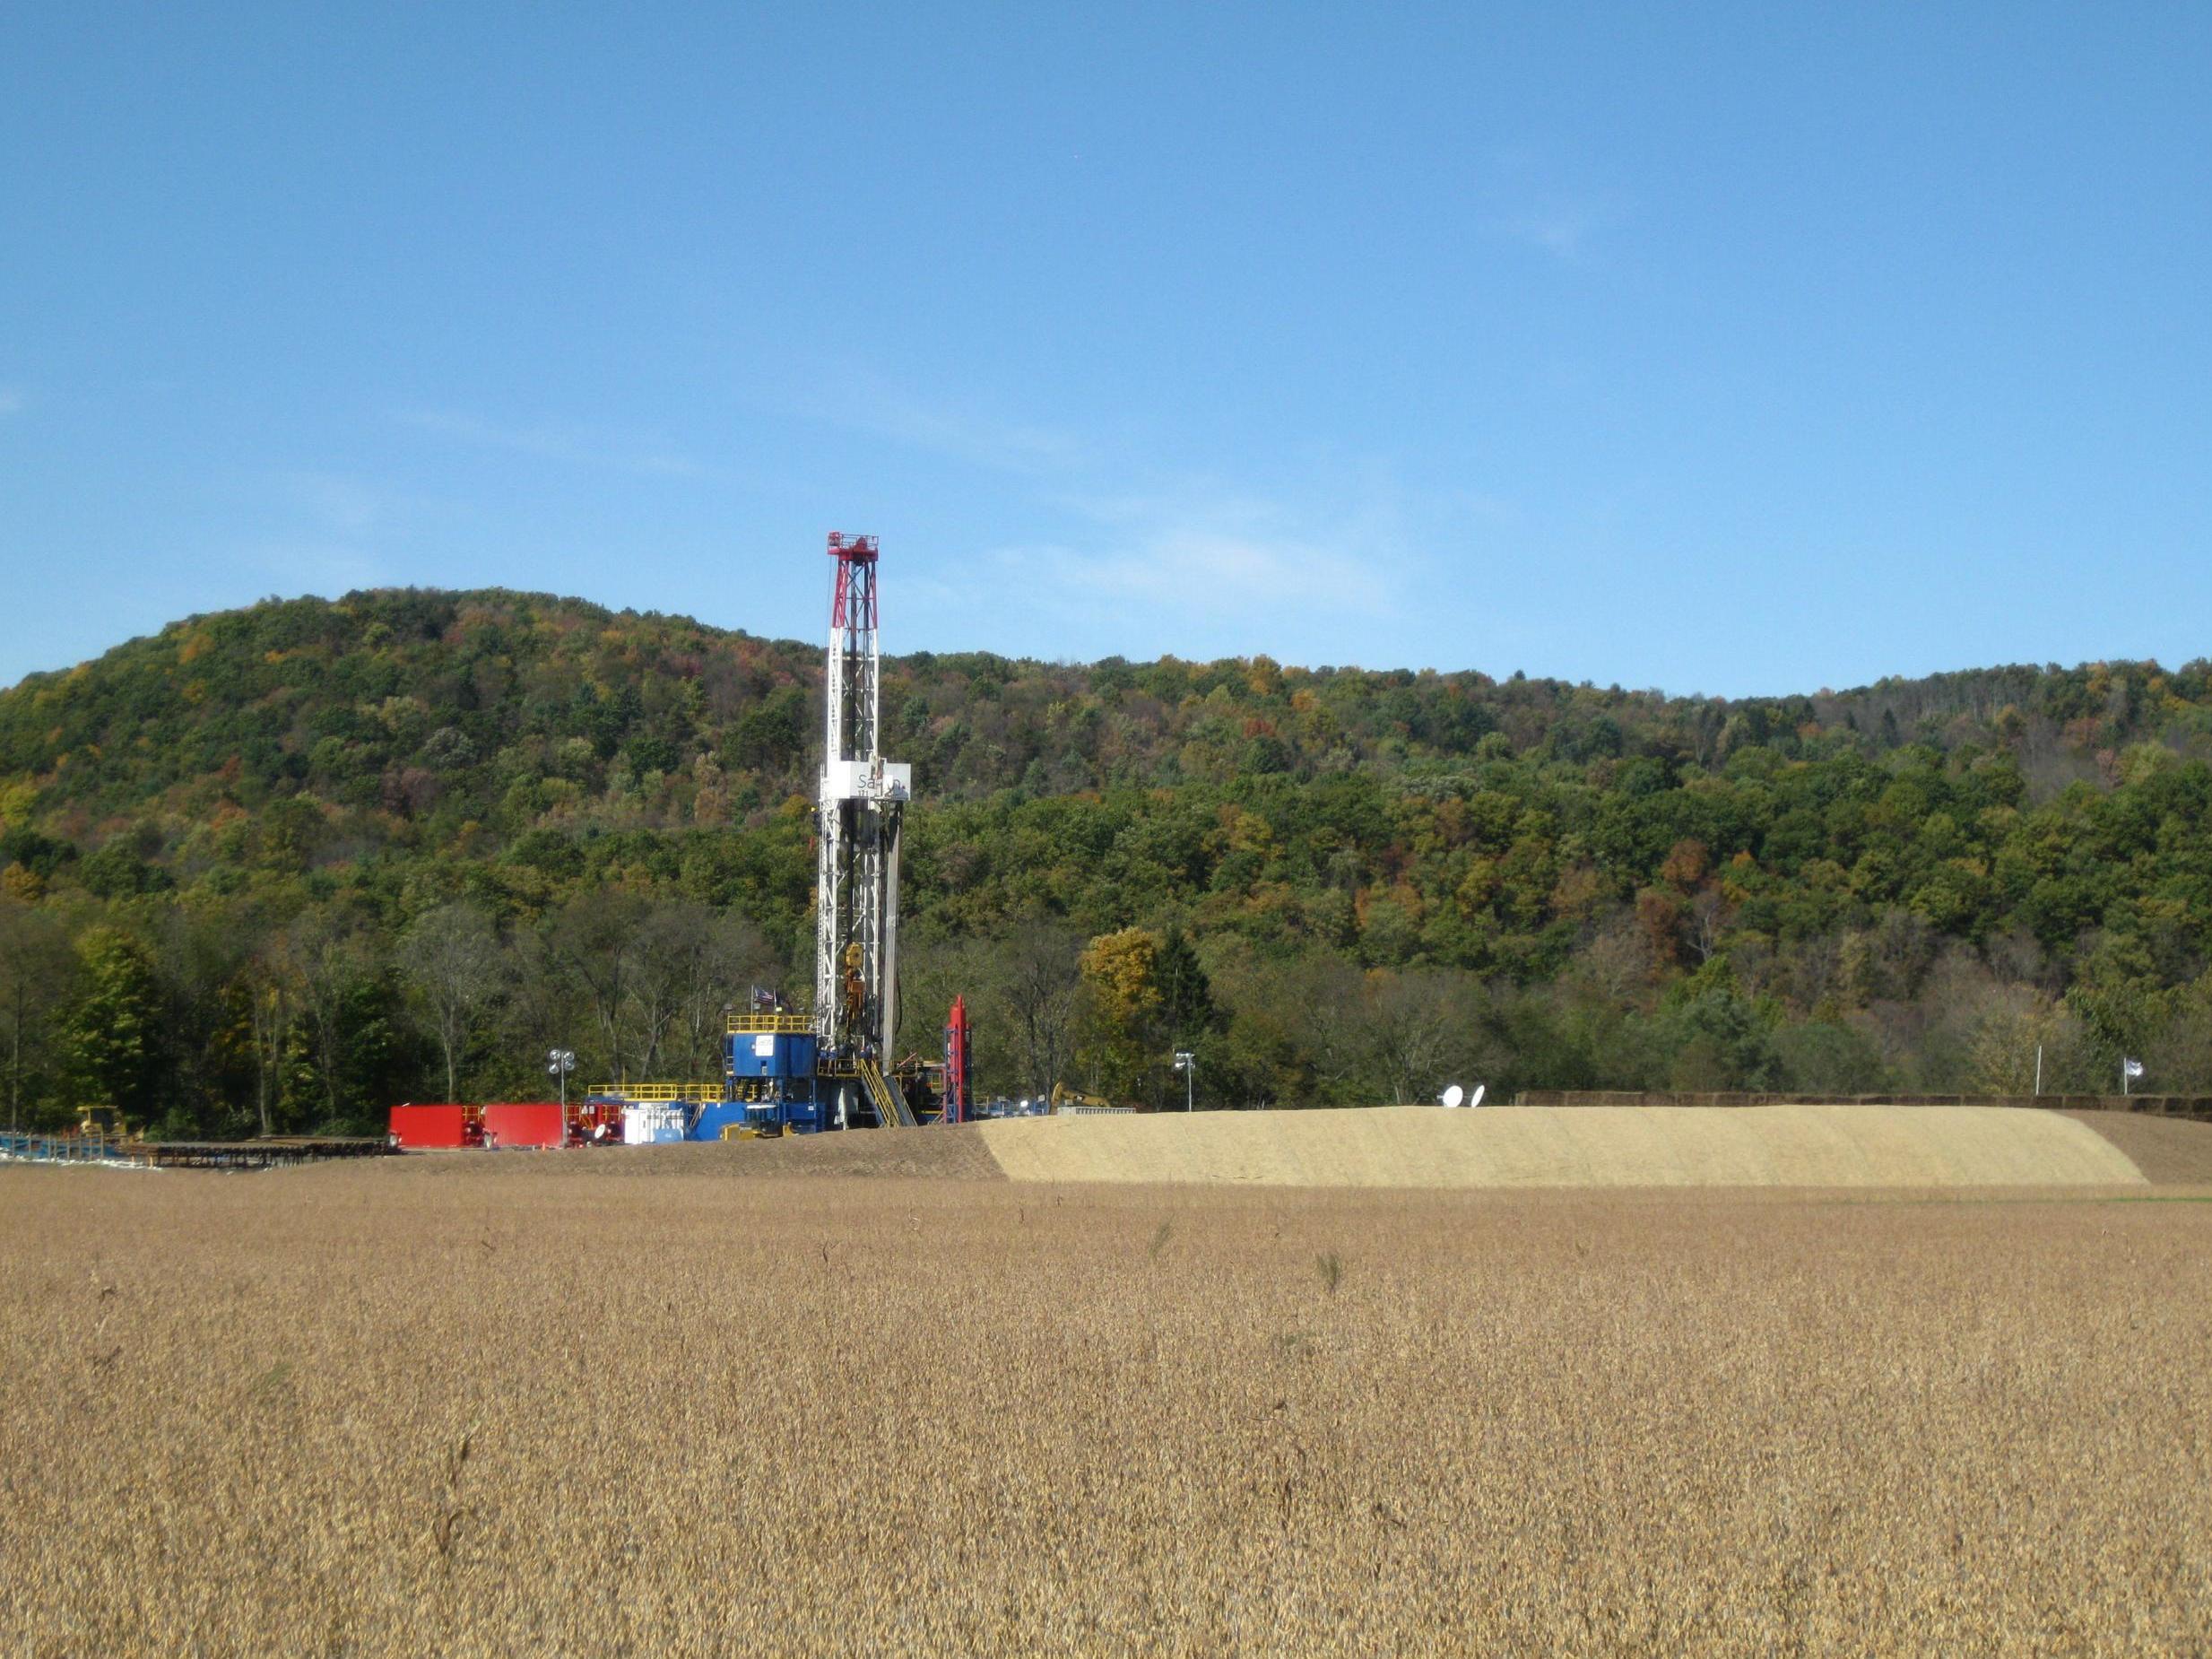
(1122, 1008)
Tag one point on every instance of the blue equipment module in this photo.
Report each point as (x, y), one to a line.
(770, 1066)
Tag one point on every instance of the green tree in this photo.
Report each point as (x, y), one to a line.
(1185, 997)
(111, 1038)
(37, 970)
(452, 957)
(1719, 1038)
(594, 941)
(1042, 993)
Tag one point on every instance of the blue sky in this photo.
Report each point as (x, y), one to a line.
(1731, 349)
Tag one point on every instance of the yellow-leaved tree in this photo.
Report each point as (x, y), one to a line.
(1121, 1008)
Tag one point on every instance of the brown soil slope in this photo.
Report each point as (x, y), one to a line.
(2171, 1152)
(956, 1153)
(1560, 1148)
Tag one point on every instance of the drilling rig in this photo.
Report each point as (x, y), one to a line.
(859, 813)
(789, 1071)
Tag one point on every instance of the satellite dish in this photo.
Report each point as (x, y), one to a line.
(1479, 1088)
(1453, 1095)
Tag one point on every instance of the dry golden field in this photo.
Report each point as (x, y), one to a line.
(512, 1405)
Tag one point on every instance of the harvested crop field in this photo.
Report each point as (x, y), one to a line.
(438, 1406)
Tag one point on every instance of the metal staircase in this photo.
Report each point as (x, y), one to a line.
(884, 1095)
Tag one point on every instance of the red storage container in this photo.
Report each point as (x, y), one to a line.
(415, 1127)
(528, 1122)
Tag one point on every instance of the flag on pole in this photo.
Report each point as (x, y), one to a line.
(2134, 1068)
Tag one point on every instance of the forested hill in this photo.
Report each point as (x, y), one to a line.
(1344, 879)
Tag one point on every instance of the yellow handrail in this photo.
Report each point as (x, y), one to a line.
(656, 1092)
(780, 1025)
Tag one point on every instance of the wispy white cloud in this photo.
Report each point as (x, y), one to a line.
(1209, 571)
(575, 446)
(1132, 556)
(309, 565)
(874, 406)
(974, 437)
(315, 532)
(1221, 574)
(1563, 230)
(1539, 200)
(339, 504)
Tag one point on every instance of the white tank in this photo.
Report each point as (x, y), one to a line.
(651, 1123)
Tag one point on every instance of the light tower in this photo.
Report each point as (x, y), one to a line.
(863, 799)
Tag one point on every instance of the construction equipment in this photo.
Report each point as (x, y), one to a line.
(1067, 1100)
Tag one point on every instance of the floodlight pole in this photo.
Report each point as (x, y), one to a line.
(1186, 1064)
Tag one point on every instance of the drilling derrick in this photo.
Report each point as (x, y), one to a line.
(864, 797)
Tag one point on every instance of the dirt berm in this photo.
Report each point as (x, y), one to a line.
(1900, 1147)
(1802, 1146)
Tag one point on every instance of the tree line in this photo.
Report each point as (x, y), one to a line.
(282, 866)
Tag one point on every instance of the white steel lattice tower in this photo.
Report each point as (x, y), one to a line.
(864, 797)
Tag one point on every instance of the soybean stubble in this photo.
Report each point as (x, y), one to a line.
(409, 1409)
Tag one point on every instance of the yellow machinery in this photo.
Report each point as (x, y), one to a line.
(1075, 1099)
(104, 1123)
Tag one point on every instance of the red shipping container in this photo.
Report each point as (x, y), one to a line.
(418, 1126)
(529, 1122)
